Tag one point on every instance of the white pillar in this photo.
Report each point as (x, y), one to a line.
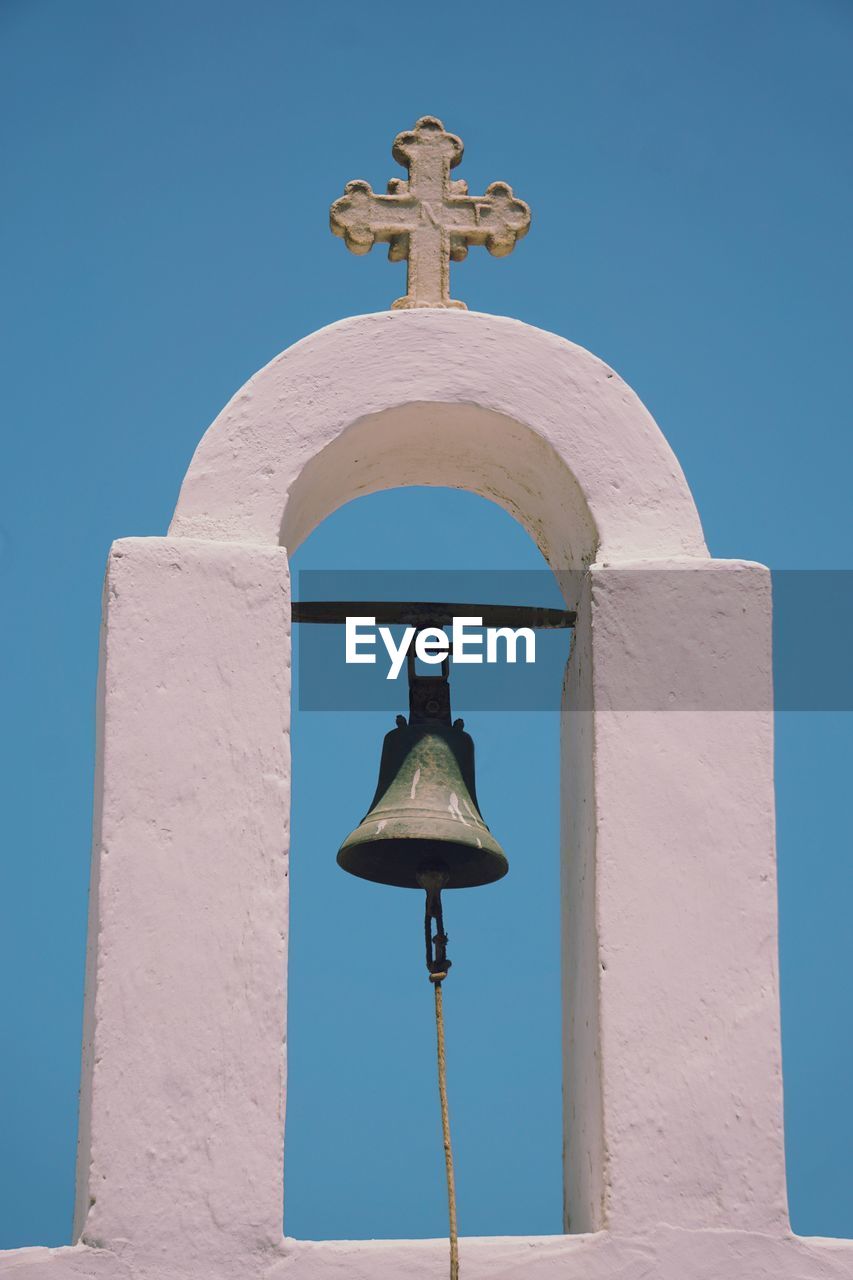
(181, 1142)
(671, 692)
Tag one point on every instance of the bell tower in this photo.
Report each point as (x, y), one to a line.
(674, 1160)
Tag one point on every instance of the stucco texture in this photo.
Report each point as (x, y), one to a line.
(674, 1160)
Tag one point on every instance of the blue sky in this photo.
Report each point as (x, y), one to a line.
(168, 172)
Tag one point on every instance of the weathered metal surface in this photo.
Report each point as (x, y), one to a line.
(424, 816)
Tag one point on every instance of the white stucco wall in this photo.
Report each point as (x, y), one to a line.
(439, 397)
(675, 1166)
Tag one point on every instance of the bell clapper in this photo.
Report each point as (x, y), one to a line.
(433, 881)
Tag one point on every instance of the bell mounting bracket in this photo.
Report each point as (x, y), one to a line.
(420, 615)
(429, 696)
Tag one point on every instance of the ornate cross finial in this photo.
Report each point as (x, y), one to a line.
(431, 218)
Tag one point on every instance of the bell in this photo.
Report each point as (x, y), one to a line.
(424, 823)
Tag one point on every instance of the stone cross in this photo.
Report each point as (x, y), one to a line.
(431, 218)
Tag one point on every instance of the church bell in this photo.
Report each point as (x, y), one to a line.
(424, 824)
(424, 817)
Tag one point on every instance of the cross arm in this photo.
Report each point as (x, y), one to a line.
(497, 220)
(362, 217)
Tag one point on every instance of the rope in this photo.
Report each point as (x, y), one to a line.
(438, 966)
(436, 979)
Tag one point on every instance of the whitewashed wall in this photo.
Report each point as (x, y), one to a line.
(675, 1164)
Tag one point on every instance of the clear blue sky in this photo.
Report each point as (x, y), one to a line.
(168, 169)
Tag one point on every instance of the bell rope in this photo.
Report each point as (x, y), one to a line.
(437, 967)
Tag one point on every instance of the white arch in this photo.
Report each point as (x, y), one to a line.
(446, 398)
(675, 1157)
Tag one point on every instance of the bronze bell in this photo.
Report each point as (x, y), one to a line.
(424, 819)
(424, 816)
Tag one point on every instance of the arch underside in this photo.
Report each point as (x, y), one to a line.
(445, 398)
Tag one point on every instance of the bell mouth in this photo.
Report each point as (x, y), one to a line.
(401, 860)
(433, 875)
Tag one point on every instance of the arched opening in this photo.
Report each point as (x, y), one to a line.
(552, 435)
(667, 853)
(472, 401)
(363, 1148)
(464, 446)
